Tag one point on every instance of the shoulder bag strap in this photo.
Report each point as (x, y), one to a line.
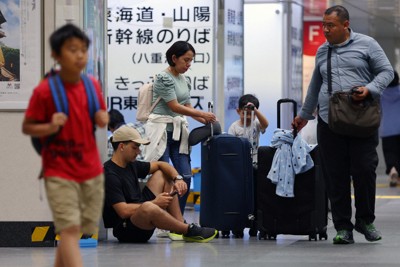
(158, 99)
(329, 70)
(155, 104)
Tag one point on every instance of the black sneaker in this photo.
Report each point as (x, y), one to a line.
(343, 237)
(368, 230)
(199, 234)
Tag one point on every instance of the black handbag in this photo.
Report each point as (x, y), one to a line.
(349, 117)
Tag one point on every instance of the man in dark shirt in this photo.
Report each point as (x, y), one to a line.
(134, 214)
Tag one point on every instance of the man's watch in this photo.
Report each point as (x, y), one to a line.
(178, 177)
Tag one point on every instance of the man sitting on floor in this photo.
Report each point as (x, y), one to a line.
(134, 214)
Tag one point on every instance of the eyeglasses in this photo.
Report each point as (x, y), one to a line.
(329, 26)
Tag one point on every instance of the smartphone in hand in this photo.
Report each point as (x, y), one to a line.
(173, 193)
(354, 90)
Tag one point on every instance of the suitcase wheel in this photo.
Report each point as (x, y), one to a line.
(312, 237)
(238, 234)
(323, 236)
(253, 232)
(262, 235)
(225, 234)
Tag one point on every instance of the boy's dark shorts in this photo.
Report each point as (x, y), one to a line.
(127, 232)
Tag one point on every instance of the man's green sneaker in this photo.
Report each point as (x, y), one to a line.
(175, 237)
(343, 237)
(199, 234)
(368, 230)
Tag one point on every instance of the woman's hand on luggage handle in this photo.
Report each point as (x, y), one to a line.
(298, 123)
(209, 117)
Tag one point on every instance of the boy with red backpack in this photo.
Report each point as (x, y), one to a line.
(71, 162)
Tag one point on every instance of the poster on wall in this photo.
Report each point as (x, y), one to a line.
(313, 38)
(140, 32)
(233, 59)
(20, 50)
(94, 25)
(314, 8)
(296, 54)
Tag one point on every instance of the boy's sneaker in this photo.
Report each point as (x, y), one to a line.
(161, 233)
(368, 230)
(343, 237)
(175, 237)
(199, 234)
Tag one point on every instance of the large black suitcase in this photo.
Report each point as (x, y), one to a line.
(304, 214)
(227, 193)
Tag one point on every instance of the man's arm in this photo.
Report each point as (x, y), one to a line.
(381, 68)
(114, 194)
(171, 173)
(125, 210)
(165, 168)
(311, 101)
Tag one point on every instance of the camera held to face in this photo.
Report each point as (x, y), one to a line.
(249, 107)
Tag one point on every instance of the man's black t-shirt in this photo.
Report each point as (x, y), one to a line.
(122, 185)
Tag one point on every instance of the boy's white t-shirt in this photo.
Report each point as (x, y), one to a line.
(238, 130)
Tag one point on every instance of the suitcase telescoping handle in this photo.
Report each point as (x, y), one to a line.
(294, 104)
(211, 109)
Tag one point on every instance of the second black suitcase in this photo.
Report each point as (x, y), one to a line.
(304, 214)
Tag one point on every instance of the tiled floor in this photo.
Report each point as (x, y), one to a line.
(286, 251)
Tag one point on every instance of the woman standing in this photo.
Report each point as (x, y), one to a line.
(167, 127)
(390, 130)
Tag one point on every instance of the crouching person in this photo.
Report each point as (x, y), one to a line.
(134, 213)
